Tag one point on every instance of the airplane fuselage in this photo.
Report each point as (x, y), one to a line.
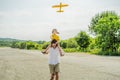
(60, 7)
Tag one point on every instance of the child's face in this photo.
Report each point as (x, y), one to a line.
(55, 31)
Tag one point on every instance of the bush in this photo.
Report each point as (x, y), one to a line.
(119, 49)
(23, 45)
(26, 45)
(109, 53)
(63, 44)
(70, 50)
(45, 45)
(69, 43)
(95, 51)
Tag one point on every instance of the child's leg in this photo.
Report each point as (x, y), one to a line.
(46, 49)
(57, 75)
(52, 77)
(60, 47)
(60, 50)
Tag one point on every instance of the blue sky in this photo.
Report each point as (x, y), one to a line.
(34, 19)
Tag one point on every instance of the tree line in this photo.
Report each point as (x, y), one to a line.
(105, 27)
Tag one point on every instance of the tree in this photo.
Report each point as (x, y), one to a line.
(45, 45)
(63, 43)
(71, 43)
(23, 45)
(105, 26)
(83, 40)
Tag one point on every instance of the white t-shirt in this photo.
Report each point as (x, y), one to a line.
(54, 56)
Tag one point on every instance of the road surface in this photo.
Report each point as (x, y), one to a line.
(16, 64)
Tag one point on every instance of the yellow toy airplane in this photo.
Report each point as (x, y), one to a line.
(60, 7)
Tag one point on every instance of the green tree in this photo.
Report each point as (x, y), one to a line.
(92, 43)
(105, 26)
(63, 43)
(23, 45)
(71, 43)
(45, 45)
(83, 40)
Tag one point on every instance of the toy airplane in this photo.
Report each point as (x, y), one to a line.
(60, 7)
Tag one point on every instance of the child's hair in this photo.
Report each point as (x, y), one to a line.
(55, 31)
(53, 42)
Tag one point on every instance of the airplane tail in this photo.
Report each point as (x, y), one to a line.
(60, 11)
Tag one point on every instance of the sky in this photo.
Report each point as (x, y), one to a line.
(35, 19)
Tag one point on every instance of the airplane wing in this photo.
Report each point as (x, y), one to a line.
(64, 5)
(55, 6)
(60, 11)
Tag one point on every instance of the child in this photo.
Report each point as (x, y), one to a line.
(54, 36)
(54, 54)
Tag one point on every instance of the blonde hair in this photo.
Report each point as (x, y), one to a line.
(55, 31)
